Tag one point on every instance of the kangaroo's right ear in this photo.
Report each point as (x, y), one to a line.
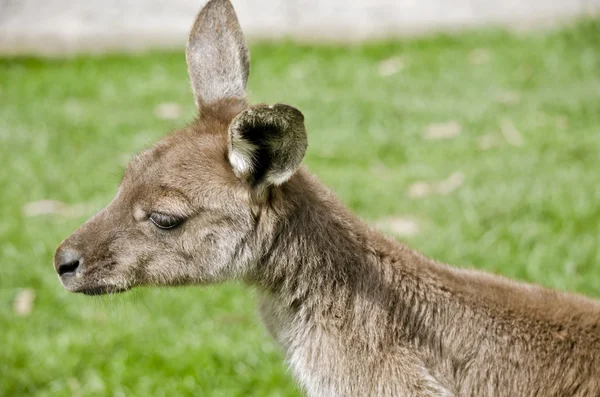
(217, 56)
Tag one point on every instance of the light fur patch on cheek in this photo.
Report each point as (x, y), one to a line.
(241, 157)
(139, 214)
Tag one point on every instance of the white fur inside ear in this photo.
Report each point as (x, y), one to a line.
(241, 157)
(280, 178)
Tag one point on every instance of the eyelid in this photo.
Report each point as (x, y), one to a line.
(171, 220)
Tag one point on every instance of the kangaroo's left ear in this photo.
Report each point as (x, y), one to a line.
(267, 144)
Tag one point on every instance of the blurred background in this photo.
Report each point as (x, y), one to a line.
(64, 26)
(468, 128)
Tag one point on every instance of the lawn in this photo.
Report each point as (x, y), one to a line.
(481, 150)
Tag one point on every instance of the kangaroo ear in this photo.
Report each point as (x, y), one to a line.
(267, 144)
(217, 56)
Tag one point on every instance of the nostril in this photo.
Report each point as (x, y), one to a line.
(68, 267)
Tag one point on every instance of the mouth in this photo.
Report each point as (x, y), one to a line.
(101, 290)
(77, 285)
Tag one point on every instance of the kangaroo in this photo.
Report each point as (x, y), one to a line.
(356, 313)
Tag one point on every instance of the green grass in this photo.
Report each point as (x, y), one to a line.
(530, 211)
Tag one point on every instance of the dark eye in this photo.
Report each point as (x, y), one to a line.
(163, 221)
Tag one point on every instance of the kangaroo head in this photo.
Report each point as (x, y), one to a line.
(187, 209)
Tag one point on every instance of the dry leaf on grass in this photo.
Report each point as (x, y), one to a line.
(450, 184)
(486, 142)
(562, 122)
(420, 189)
(379, 168)
(74, 108)
(52, 207)
(510, 133)
(508, 98)
(479, 56)
(402, 227)
(443, 187)
(390, 66)
(168, 111)
(571, 268)
(230, 319)
(75, 387)
(23, 303)
(445, 130)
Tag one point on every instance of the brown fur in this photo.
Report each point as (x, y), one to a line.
(357, 314)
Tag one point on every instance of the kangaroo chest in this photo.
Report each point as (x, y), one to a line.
(327, 363)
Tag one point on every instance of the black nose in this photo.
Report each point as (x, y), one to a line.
(69, 267)
(66, 262)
